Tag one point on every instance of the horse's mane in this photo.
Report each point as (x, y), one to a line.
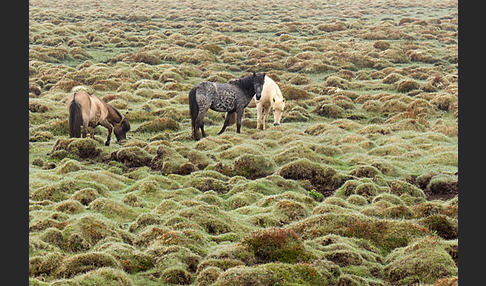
(116, 112)
(244, 82)
(269, 80)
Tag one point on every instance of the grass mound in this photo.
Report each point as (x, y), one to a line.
(253, 166)
(275, 244)
(324, 179)
(104, 275)
(130, 259)
(84, 232)
(79, 148)
(385, 234)
(85, 262)
(44, 264)
(407, 85)
(158, 125)
(132, 156)
(330, 110)
(444, 226)
(439, 186)
(85, 196)
(289, 210)
(208, 276)
(205, 184)
(176, 275)
(215, 222)
(276, 273)
(111, 208)
(423, 261)
(169, 161)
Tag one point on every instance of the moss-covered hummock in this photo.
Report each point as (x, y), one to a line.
(275, 274)
(275, 244)
(422, 261)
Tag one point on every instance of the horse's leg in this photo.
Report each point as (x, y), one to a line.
(265, 117)
(226, 121)
(85, 116)
(106, 124)
(199, 123)
(202, 130)
(239, 116)
(85, 129)
(259, 115)
(91, 132)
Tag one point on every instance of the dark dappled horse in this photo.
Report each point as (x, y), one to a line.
(231, 97)
(88, 110)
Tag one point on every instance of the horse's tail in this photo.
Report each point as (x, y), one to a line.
(75, 119)
(193, 107)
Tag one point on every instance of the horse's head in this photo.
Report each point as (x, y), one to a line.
(258, 80)
(277, 107)
(121, 129)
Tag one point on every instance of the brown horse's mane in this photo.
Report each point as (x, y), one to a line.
(114, 115)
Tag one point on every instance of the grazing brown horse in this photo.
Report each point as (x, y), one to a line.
(88, 110)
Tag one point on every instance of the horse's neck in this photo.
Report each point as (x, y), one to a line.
(271, 90)
(269, 81)
(114, 116)
(246, 85)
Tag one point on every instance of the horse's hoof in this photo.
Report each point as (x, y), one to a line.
(107, 143)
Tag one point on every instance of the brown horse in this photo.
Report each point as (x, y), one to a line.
(90, 111)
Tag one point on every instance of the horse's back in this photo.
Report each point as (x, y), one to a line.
(273, 86)
(205, 92)
(215, 87)
(92, 107)
(214, 92)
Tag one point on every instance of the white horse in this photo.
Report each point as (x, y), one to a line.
(271, 99)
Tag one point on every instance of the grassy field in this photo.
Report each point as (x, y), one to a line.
(357, 186)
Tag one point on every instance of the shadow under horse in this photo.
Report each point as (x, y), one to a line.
(88, 110)
(232, 97)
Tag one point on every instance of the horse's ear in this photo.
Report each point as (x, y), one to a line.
(264, 74)
(254, 74)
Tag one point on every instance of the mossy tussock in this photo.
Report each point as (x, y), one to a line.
(357, 186)
(423, 260)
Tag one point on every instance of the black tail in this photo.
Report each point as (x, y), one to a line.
(75, 119)
(193, 108)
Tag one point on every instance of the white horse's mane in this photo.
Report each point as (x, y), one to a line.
(79, 88)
